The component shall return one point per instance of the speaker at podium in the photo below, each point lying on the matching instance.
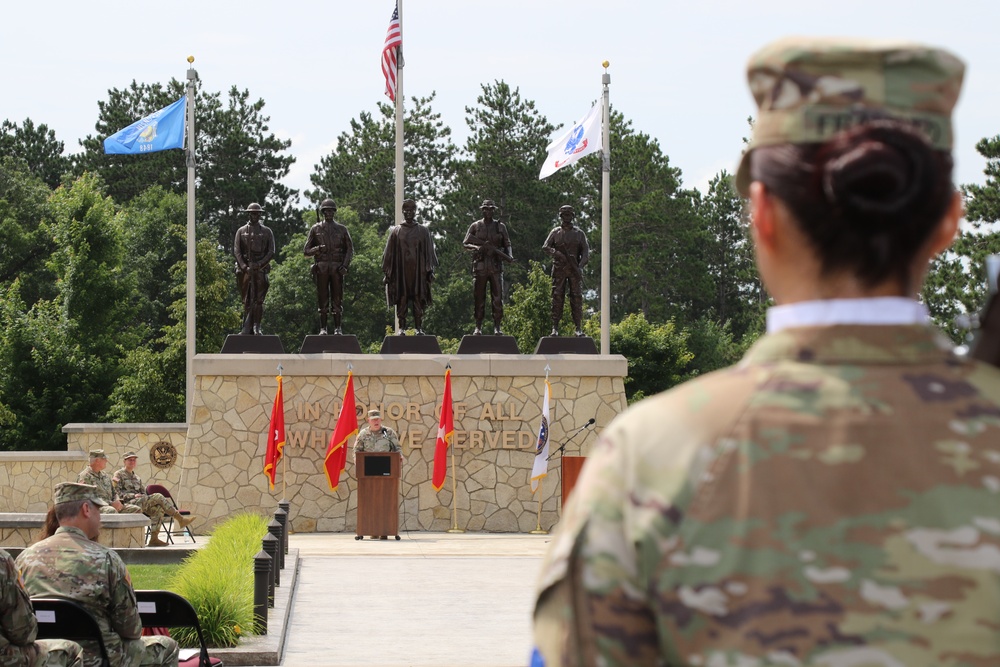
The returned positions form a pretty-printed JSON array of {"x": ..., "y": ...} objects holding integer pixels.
[{"x": 378, "y": 494}]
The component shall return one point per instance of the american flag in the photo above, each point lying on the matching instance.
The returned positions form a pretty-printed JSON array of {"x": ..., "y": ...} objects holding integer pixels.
[{"x": 393, "y": 41}]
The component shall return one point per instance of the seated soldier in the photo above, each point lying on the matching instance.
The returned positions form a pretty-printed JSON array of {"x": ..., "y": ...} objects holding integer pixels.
[
  {"x": 94, "y": 475},
  {"x": 71, "y": 564},
  {"x": 130, "y": 489},
  {"x": 18, "y": 627}
]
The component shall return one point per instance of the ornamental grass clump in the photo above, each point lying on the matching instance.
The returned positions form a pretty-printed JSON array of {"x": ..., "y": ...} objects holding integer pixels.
[{"x": 218, "y": 582}]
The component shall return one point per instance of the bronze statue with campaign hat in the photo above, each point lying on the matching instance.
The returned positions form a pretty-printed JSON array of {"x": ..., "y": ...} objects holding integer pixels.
[
  {"x": 253, "y": 248},
  {"x": 489, "y": 243}
]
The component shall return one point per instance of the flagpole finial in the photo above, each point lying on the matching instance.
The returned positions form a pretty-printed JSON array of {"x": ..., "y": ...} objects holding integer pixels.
[
  {"x": 605, "y": 64},
  {"x": 350, "y": 367},
  {"x": 280, "y": 368},
  {"x": 190, "y": 60}
]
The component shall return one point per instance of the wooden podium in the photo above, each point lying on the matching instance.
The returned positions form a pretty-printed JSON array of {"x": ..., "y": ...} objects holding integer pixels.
[
  {"x": 378, "y": 494},
  {"x": 571, "y": 466}
]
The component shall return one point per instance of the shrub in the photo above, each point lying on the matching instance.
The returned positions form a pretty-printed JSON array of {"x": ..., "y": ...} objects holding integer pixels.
[{"x": 218, "y": 582}]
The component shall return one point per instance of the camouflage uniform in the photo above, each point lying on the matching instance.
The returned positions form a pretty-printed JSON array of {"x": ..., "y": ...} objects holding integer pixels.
[
  {"x": 132, "y": 492},
  {"x": 834, "y": 500},
  {"x": 386, "y": 440},
  {"x": 106, "y": 489},
  {"x": 71, "y": 566},
  {"x": 18, "y": 627}
]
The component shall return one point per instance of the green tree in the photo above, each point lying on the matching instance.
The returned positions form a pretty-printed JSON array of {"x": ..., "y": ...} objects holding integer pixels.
[
  {"x": 24, "y": 244},
  {"x": 955, "y": 290},
  {"x": 658, "y": 241},
  {"x": 658, "y": 354},
  {"x": 360, "y": 171},
  {"x": 38, "y": 147},
  {"x": 239, "y": 160},
  {"x": 738, "y": 295}
]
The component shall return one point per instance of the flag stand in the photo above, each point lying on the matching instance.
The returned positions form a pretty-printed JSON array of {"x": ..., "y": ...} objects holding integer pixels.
[
  {"x": 538, "y": 516},
  {"x": 454, "y": 497}
]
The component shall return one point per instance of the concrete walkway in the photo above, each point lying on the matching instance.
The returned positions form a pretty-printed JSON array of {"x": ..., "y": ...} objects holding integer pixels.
[{"x": 429, "y": 599}]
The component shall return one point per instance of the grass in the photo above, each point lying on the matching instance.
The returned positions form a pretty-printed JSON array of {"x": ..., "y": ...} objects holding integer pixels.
[
  {"x": 218, "y": 582},
  {"x": 153, "y": 577}
]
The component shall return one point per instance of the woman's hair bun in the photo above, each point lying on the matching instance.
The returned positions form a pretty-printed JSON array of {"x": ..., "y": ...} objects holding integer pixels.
[{"x": 876, "y": 179}]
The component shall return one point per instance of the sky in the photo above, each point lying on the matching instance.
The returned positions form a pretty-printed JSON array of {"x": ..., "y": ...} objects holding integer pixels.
[{"x": 677, "y": 69}]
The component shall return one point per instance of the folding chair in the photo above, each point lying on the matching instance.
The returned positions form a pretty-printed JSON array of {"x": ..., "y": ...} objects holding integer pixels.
[
  {"x": 168, "y": 609},
  {"x": 61, "y": 618},
  {"x": 169, "y": 520}
]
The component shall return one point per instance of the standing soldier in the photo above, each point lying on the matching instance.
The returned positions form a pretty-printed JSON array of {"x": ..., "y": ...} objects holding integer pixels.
[
  {"x": 253, "y": 248},
  {"x": 329, "y": 244},
  {"x": 490, "y": 245},
  {"x": 570, "y": 252}
]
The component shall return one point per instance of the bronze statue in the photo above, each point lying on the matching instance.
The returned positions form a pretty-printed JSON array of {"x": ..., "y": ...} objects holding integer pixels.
[
  {"x": 253, "y": 248},
  {"x": 329, "y": 244},
  {"x": 408, "y": 263},
  {"x": 490, "y": 245},
  {"x": 570, "y": 252}
]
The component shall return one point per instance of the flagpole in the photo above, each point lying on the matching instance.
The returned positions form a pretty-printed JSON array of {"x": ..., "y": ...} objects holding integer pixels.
[
  {"x": 192, "y": 77},
  {"x": 399, "y": 127},
  {"x": 606, "y": 217},
  {"x": 454, "y": 496}
]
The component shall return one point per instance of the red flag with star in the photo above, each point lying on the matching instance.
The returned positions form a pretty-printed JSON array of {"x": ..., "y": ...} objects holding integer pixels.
[
  {"x": 275, "y": 436},
  {"x": 446, "y": 430}
]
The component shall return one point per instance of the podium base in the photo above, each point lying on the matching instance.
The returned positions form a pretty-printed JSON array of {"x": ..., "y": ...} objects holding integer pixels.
[
  {"x": 538, "y": 531},
  {"x": 455, "y": 530},
  {"x": 486, "y": 344},
  {"x": 250, "y": 344},
  {"x": 337, "y": 344},
  {"x": 566, "y": 345},
  {"x": 410, "y": 345}
]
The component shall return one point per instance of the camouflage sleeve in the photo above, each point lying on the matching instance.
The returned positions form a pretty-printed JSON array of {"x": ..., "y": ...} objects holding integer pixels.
[
  {"x": 124, "y": 615},
  {"x": 17, "y": 619},
  {"x": 359, "y": 442},
  {"x": 592, "y": 606},
  {"x": 393, "y": 439}
]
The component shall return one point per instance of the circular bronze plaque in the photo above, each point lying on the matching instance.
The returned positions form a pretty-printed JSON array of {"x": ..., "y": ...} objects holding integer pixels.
[{"x": 162, "y": 454}]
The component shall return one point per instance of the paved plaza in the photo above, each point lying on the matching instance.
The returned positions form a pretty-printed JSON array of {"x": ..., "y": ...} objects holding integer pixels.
[{"x": 430, "y": 599}]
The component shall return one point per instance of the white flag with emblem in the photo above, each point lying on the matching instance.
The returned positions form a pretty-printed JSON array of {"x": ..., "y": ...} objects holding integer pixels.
[
  {"x": 582, "y": 139},
  {"x": 541, "y": 467}
]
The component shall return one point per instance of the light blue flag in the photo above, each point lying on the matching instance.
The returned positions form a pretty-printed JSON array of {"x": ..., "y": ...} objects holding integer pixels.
[{"x": 158, "y": 131}]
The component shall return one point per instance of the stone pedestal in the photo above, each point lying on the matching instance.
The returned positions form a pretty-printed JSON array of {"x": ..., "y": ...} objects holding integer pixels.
[
  {"x": 335, "y": 344},
  {"x": 484, "y": 344},
  {"x": 410, "y": 345},
  {"x": 566, "y": 345},
  {"x": 247, "y": 344}
]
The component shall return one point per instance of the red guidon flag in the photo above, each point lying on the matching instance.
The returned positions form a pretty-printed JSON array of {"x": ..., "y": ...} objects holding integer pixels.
[
  {"x": 446, "y": 430},
  {"x": 275, "y": 436},
  {"x": 347, "y": 425}
]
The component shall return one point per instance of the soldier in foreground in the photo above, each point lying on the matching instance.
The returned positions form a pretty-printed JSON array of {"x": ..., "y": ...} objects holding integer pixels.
[
  {"x": 833, "y": 499},
  {"x": 71, "y": 564},
  {"x": 18, "y": 627}
]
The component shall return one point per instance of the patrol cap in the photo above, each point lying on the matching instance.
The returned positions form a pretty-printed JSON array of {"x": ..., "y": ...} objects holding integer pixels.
[
  {"x": 566, "y": 207},
  {"x": 808, "y": 89},
  {"x": 131, "y": 455},
  {"x": 374, "y": 413},
  {"x": 98, "y": 454},
  {"x": 67, "y": 492}
]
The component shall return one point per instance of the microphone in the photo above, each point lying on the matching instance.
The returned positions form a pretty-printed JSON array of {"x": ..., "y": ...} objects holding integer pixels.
[{"x": 589, "y": 423}]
